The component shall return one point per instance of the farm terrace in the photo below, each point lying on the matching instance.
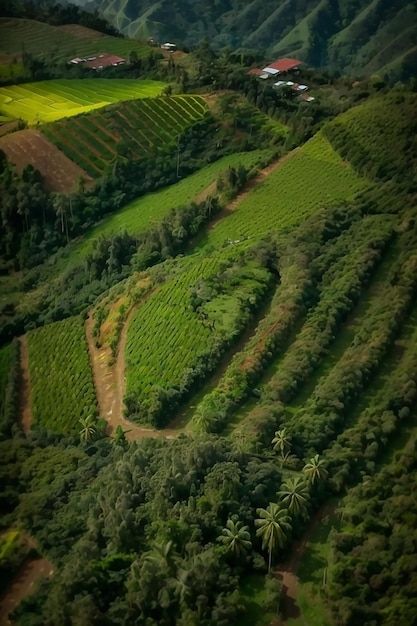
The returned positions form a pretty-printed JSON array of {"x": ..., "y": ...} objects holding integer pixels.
[{"x": 99, "y": 62}]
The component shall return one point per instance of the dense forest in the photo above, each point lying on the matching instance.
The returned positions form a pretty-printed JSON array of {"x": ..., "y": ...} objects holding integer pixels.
[{"x": 208, "y": 349}]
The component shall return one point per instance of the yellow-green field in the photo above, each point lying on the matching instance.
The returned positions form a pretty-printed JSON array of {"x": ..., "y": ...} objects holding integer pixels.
[{"x": 51, "y": 100}]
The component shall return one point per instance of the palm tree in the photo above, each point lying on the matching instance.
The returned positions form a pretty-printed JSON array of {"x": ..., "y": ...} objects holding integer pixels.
[
  {"x": 315, "y": 470},
  {"x": 180, "y": 585},
  {"x": 162, "y": 554},
  {"x": 294, "y": 494},
  {"x": 281, "y": 441},
  {"x": 236, "y": 538},
  {"x": 88, "y": 428},
  {"x": 273, "y": 526}
]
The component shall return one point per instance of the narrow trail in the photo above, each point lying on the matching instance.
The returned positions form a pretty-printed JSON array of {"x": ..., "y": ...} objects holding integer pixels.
[
  {"x": 247, "y": 188},
  {"x": 287, "y": 571},
  {"x": 23, "y": 584},
  {"x": 110, "y": 383},
  {"x": 25, "y": 411}
]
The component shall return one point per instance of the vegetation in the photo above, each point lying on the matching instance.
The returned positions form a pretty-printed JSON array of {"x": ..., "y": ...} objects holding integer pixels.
[
  {"x": 60, "y": 375},
  {"x": 53, "y": 99},
  {"x": 131, "y": 130},
  {"x": 268, "y": 317}
]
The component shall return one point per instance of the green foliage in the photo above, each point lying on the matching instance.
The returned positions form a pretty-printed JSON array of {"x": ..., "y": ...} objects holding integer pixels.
[
  {"x": 9, "y": 386},
  {"x": 193, "y": 336},
  {"x": 378, "y": 137},
  {"x": 310, "y": 178},
  {"x": 62, "y": 388},
  {"x": 50, "y": 100},
  {"x": 129, "y": 130}
]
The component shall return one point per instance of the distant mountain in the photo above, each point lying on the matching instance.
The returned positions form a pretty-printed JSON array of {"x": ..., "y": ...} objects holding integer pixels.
[{"x": 351, "y": 36}]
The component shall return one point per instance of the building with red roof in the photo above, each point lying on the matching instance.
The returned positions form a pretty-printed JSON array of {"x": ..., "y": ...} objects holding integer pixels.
[
  {"x": 104, "y": 60},
  {"x": 255, "y": 72},
  {"x": 285, "y": 65}
]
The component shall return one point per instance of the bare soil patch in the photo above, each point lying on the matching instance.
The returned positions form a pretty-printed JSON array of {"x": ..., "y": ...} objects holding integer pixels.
[
  {"x": 287, "y": 571},
  {"x": 23, "y": 584},
  {"x": 110, "y": 383},
  {"x": 7, "y": 127},
  {"x": 25, "y": 411},
  {"x": 30, "y": 146},
  {"x": 81, "y": 31}
]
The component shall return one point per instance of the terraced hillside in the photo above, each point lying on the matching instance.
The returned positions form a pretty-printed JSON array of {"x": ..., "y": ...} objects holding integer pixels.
[
  {"x": 61, "y": 43},
  {"x": 131, "y": 129},
  {"x": 51, "y": 100}
]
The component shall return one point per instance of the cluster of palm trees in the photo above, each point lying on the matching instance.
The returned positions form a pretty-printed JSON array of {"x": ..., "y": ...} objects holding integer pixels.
[{"x": 275, "y": 522}]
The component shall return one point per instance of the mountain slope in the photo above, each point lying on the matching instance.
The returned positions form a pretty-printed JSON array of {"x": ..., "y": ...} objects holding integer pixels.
[{"x": 356, "y": 36}]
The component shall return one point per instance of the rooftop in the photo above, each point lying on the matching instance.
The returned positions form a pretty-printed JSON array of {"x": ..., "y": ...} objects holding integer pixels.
[{"x": 284, "y": 65}]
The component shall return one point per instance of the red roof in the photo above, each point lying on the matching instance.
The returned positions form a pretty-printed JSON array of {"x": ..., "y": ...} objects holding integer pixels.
[
  {"x": 104, "y": 61},
  {"x": 255, "y": 72},
  {"x": 284, "y": 65}
]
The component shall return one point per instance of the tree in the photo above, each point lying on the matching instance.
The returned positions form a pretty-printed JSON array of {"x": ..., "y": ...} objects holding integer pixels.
[
  {"x": 294, "y": 494},
  {"x": 88, "y": 428},
  {"x": 315, "y": 470},
  {"x": 236, "y": 538},
  {"x": 273, "y": 525},
  {"x": 282, "y": 443}
]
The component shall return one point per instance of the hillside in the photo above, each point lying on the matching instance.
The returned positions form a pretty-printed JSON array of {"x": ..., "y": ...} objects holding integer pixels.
[
  {"x": 208, "y": 345},
  {"x": 358, "y": 38}
]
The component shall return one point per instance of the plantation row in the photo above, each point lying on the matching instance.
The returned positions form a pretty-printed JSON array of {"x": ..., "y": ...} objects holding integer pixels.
[
  {"x": 132, "y": 129},
  {"x": 51, "y": 100},
  {"x": 179, "y": 333},
  {"x": 365, "y": 242},
  {"x": 9, "y": 386},
  {"x": 311, "y": 178},
  {"x": 62, "y": 387},
  {"x": 43, "y": 40}
]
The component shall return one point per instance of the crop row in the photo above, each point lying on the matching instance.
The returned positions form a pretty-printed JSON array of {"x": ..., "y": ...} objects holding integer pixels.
[
  {"x": 337, "y": 298},
  {"x": 131, "y": 129},
  {"x": 313, "y": 177},
  {"x": 43, "y": 40},
  {"x": 62, "y": 387},
  {"x": 178, "y": 335},
  {"x": 55, "y": 99}
]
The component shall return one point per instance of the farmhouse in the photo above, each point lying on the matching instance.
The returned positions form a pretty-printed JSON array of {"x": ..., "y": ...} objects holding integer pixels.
[
  {"x": 278, "y": 67},
  {"x": 99, "y": 62}
]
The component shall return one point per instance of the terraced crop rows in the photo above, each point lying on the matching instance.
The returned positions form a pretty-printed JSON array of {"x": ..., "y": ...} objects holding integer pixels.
[
  {"x": 47, "y": 101},
  {"x": 44, "y": 40},
  {"x": 132, "y": 129},
  {"x": 62, "y": 387},
  {"x": 311, "y": 178}
]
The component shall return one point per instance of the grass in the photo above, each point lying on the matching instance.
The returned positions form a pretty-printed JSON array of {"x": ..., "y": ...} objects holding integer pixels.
[
  {"x": 311, "y": 573},
  {"x": 44, "y": 40},
  {"x": 51, "y": 100},
  {"x": 311, "y": 178}
]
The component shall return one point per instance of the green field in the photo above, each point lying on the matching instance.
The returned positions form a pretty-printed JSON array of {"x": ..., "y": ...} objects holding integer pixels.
[
  {"x": 47, "y": 101},
  {"x": 62, "y": 388},
  {"x": 58, "y": 44},
  {"x": 131, "y": 129},
  {"x": 313, "y": 177},
  {"x": 169, "y": 345}
]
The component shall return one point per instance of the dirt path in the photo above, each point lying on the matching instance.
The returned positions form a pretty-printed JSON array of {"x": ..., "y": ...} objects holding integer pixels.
[
  {"x": 25, "y": 411},
  {"x": 23, "y": 584},
  {"x": 287, "y": 571},
  {"x": 110, "y": 382},
  {"x": 245, "y": 191}
]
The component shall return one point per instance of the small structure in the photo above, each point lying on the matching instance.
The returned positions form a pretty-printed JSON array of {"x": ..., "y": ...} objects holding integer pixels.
[
  {"x": 271, "y": 71},
  {"x": 255, "y": 72},
  {"x": 306, "y": 97},
  {"x": 169, "y": 46},
  {"x": 99, "y": 62}
]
